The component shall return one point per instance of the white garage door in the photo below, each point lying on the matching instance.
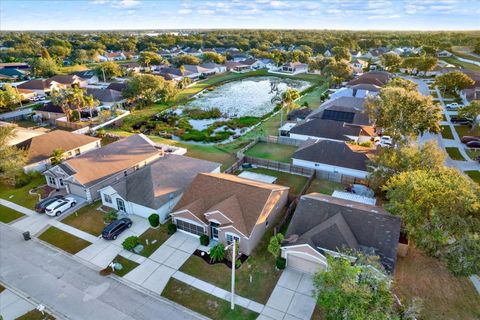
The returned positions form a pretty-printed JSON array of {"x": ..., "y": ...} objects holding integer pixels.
[{"x": 303, "y": 263}]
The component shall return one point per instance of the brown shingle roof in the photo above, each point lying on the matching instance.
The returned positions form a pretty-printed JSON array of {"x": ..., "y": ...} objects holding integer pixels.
[
  {"x": 34, "y": 85},
  {"x": 41, "y": 147},
  {"x": 99, "y": 164},
  {"x": 241, "y": 200}
]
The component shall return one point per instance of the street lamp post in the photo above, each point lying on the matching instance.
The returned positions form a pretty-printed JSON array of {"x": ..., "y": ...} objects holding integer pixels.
[{"x": 232, "y": 297}]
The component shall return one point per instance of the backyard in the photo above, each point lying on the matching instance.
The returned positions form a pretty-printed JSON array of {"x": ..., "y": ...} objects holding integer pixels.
[
  {"x": 272, "y": 151},
  {"x": 454, "y": 154},
  {"x": 8, "y": 215},
  {"x": 325, "y": 186},
  {"x": 20, "y": 195},
  {"x": 204, "y": 303},
  {"x": 260, "y": 266},
  {"x": 295, "y": 182},
  {"x": 87, "y": 219},
  {"x": 63, "y": 240},
  {"x": 444, "y": 296}
]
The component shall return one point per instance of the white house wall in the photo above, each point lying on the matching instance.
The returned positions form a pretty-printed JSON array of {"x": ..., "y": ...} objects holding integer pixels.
[{"x": 329, "y": 168}]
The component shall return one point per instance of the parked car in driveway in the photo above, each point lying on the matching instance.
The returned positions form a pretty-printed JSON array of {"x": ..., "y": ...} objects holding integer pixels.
[
  {"x": 115, "y": 228},
  {"x": 41, "y": 205},
  {"x": 473, "y": 144},
  {"x": 453, "y": 106},
  {"x": 466, "y": 139},
  {"x": 460, "y": 120},
  {"x": 383, "y": 141},
  {"x": 59, "y": 206}
]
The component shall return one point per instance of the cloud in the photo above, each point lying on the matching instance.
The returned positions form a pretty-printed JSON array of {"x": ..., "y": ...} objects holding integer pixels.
[
  {"x": 184, "y": 11},
  {"x": 206, "y": 11},
  {"x": 125, "y": 3}
]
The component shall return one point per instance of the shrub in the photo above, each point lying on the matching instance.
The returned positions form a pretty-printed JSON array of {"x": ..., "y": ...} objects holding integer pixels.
[
  {"x": 238, "y": 263},
  {"x": 184, "y": 124},
  {"x": 75, "y": 116},
  {"x": 217, "y": 253},
  {"x": 204, "y": 240},
  {"x": 172, "y": 228},
  {"x": 110, "y": 216},
  {"x": 22, "y": 179},
  {"x": 154, "y": 220},
  {"x": 281, "y": 263},
  {"x": 275, "y": 244},
  {"x": 130, "y": 243}
]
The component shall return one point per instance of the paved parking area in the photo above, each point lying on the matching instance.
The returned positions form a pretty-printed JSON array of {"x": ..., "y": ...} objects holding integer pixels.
[
  {"x": 155, "y": 271},
  {"x": 292, "y": 297},
  {"x": 13, "y": 306}
]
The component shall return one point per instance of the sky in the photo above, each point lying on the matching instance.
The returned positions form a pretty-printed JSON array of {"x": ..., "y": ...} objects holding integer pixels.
[{"x": 235, "y": 14}]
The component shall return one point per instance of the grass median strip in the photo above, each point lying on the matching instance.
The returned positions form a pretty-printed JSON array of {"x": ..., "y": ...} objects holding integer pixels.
[
  {"x": 8, "y": 215},
  {"x": 36, "y": 315},
  {"x": 474, "y": 175},
  {"x": 204, "y": 303},
  {"x": 64, "y": 240},
  {"x": 447, "y": 132},
  {"x": 454, "y": 154},
  {"x": 127, "y": 265}
]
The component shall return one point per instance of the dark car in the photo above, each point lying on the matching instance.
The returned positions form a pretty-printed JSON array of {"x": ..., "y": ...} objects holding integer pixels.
[
  {"x": 473, "y": 144},
  {"x": 466, "y": 139},
  {"x": 460, "y": 120},
  {"x": 41, "y": 205},
  {"x": 112, "y": 231}
]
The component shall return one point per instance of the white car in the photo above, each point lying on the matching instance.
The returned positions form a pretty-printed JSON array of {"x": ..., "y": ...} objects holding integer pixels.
[
  {"x": 383, "y": 141},
  {"x": 454, "y": 106},
  {"x": 60, "y": 206}
]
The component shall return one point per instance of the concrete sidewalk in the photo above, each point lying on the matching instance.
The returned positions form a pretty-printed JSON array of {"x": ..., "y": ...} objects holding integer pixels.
[{"x": 13, "y": 306}]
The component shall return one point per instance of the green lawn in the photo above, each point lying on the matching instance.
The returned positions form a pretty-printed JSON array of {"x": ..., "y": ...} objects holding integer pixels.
[
  {"x": 128, "y": 265},
  {"x": 64, "y": 240},
  {"x": 8, "y": 215},
  {"x": 160, "y": 234},
  {"x": 473, "y": 153},
  {"x": 474, "y": 175},
  {"x": 87, "y": 219},
  {"x": 454, "y": 154},
  {"x": 36, "y": 315},
  {"x": 262, "y": 270},
  {"x": 295, "y": 182},
  {"x": 272, "y": 151},
  {"x": 459, "y": 63},
  {"x": 446, "y": 132},
  {"x": 313, "y": 97},
  {"x": 466, "y": 131},
  {"x": 204, "y": 303},
  {"x": 20, "y": 195},
  {"x": 466, "y": 56},
  {"x": 325, "y": 186}
]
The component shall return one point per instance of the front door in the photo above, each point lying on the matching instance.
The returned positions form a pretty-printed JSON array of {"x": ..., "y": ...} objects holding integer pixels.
[
  {"x": 120, "y": 205},
  {"x": 214, "y": 230}
]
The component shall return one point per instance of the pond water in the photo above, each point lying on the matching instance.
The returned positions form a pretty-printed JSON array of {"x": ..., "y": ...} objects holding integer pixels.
[{"x": 247, "y": 97}]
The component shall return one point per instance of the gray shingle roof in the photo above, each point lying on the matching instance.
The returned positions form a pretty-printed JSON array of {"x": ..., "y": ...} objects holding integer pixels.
[
  {"x": 331, "y": 223},
  {"x": 328, "y": 129}
]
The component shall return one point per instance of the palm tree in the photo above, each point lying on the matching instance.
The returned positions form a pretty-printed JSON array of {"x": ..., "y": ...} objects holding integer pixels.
[
  {"x": 288, "y": 99},
  {"x": 57, "y": 156},
  {"x": 217, "y": 253},
  {"x": 61, "y": 98},
  {"x": 91, "y": 103}
]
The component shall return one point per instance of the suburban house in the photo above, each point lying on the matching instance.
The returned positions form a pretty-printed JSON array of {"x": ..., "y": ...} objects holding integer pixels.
[
  {"x": 294, "y": 68},
  {"x": 107, "y": 97},
  {"x": 299, "y": 114},
  {"x": 340, "y": 131},
  {"x": 26, "y": 94},
  {"x": 324, "y": 225},
  {"x": 132, "y": 67},
  {"x": 377, "y": 78},
  {"x": 238, "y": 56},
  {"x": 327, "y": 54},
  {"x": 39, "y": 86},
  {"x": 342, "y": 108},
  {"x": 214, "y": 67},
  {"x": 237, "y": 66},
  {"x": 68, "y": 81},
  {"x": 14, "y": 65},
  {"x": 111, "y": 56},
  {"x": 226, "y": 207},
  {"x": 117, "y": 86},
  {"x": 157, "y": 187},
  {"x": 86, "y": 174},
  {"x": 361, "y": 90},
  {"x": 355, "y": 54},
  {"x": 40, "y": 148},
  {"x": 88, "y": 75},
  {"x": 15, "y": 74},
  {"x": 473, "y": 91},
  {"x": 444, "y": 54},
  {"x": 49, "y": 112},
  {"x": 358, "y": 66},
  {"x": 335, "y": 157}
]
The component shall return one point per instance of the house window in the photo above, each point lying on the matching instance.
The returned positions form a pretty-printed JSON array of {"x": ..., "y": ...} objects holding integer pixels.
[
  {"x": 77, "y": 151},
  {"x": 61, "y": 182},
  {"x": 107, "y": 198},
  {"x": 317, "y": 165},
  {"x": 266, "y": 223},
  {"x": 125, "y": 173},
  {"x": 231, "y": 237},
  {"x": 51, "y": 181},
  {"x": 69, "y": 153}
]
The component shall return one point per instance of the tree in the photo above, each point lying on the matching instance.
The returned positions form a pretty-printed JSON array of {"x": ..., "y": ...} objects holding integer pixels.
[
  {"x": 440, "y": 212},
  {"x": 341, "y": 53},
  {"x": 471, "y": 111},
  {"x": 147, "y": 89},
  {"x": 109, "y": 70},
  {"x": 403, "y": 83},
  {"x": 12, "y": 159},
  {"x": 356, "y": 292},
  {"x": 61, "y": 98},
  {"x": 42, "y": 67},
  {"x": 403, "y": 113},
  {"x": 9, "y": 98},
  {"x": 453, "y": 81},
  {"x": 213, "y": 57},
  {"x": 57, "y": 156},
  {"x": 288, "y": 99},
  {"x": 338, "y": 70},
  {"x": 185, "y": 82},
  {"x": 91, "y": 103},
  {"x": 476, "y": 49},
  {"x": 148, "y": 58},
  {"x": 217, "y": 253},
  {"x": 275, "y": 244},
  {"x": 392, "y": 161},
  {"x": 391, "y": 60},
  {"x": 186, "y": 59}
]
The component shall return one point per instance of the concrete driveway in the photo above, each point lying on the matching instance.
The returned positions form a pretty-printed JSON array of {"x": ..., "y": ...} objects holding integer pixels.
[{"x": 292, "y": 297}]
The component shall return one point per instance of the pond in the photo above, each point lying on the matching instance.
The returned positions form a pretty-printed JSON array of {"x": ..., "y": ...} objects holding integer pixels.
[{"x": 247, "y": 97}]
